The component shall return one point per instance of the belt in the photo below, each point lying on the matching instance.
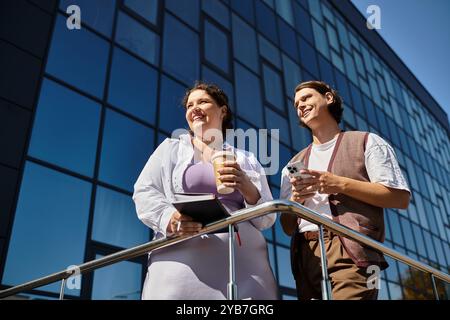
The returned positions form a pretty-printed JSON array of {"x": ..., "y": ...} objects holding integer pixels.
[{"x": 314, "y": 235}]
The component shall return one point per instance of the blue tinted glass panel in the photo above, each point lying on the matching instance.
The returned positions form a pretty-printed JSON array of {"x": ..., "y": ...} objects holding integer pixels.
[
  {"x": 320, "y": 38},
  {"x": 284, "y": 9},
  {"x": 273, "y": 87},
  {"x": 147, "y": 9},
  {"x": 370, "y": 111},
  {"x": 269, "y": 51},
  {"x": 266, "y": 21},
  {"x": 248, "y": 95},
  {"x": 285, "y": 276},
  {"x": 326, "y": 71},
  {"x": 137, "y": 38},
  {"x": 332, "y": 37},
  {"x": 275, "y": 121},
  {"x": 284, "y": 157},
  {"x": 343, "y": 35},
  {"x": 180, "y": 45},
  {"x": 315, "y": 9},
  {"x": 136, "y": 95},
  {"x": 87, "y": 68},
  {"x": 292, "y": 75},
  {"x": 244, "y": 8},
  {"x": 91, "y": 11},
  {"x": 115, "y": 220},
  {"x": 125, "y": 149},
  {"x": 288, "y": 39},
  {"x": 211, "y": 76},
  {"x": 216, "y": 47},
  {"x": 350, "y": 66},
  {"x": 303, "y": 22},
  {"x": 308, "y": 58},
  {"x": 342, "y": 87},
  {"x": 120, "y": 281},
  {"x": 301, "y": 136},
  {"x": 50, "y": 225},
  {"x": 171, "y": 112},
  {"x": 188, "y": 11},
  {"x": 244, "y": 43},
  {"x": 65, "y": 129},
  {"x": 357, "y": 99},
  {"x": 217, "y": 10}
]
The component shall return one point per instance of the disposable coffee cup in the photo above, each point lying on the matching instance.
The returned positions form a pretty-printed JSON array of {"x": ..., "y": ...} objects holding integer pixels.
[{"x": 218, "y": 160}]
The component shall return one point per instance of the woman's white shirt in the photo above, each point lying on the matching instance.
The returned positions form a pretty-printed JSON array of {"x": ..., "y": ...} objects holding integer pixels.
[{"x": 162, "y": 177}]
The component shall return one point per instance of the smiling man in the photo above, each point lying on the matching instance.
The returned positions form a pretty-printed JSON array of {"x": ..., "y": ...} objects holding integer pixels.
[{"x": 351, "y": 177}]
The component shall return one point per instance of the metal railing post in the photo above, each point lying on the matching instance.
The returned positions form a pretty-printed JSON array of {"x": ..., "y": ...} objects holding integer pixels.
[
  {"x": 435, "y": 291},
  {"x": 61, "y": 292},
  {"x": 326, "y": 285},
  {"x": 232, "y": 287}
]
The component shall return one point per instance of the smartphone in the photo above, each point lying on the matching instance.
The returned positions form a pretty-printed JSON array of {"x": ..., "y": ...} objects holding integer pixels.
[{"x": 294, "y": 170}]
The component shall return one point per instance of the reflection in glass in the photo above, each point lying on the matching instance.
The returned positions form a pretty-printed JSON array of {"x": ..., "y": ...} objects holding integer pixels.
[
  {"x": 96, "y": 14},
  {"x": 120, "y": 281},
  {"x": 273, "y": 87},
  {"x": 188, "y": 11},
  {"x": 180, "y": 45},
  {"x": 115, "y": 220},
  {"x": 78, "y": 58},
  {"x": 125, "y": 150},
  {"x": 244, "y": 43},
  {"x": 147, "y": 9},
  {"x": 137, "y": 38},
  {"x": 171, "y": 112},
  {"x": 248, "y": 95},
  {"x": 133, "y": 86},
  {"x": 50, "y": 226},
  {"x": 65, "y": 129},
  {"x": 216, "y": 47}
]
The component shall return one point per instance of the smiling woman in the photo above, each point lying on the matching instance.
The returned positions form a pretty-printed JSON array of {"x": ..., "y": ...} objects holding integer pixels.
[{"x": 197, "y": 268}]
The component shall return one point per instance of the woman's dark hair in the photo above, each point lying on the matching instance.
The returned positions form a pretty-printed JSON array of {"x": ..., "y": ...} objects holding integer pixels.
[
  {"x": 219, "y": 97},
  {"x": 335, "y": 108}
]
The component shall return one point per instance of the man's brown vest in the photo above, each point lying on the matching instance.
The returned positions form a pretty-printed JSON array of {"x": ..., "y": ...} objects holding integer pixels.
[{"x": 348, "y": 160}]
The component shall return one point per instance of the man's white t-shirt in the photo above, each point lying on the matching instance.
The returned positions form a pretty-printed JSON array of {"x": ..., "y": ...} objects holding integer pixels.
[{"x": 381, "y": 165}]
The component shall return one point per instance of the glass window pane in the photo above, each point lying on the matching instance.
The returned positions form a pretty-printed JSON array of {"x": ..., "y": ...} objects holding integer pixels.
[
  {"x": 248, "y": 95},
  {"x": 350, "y": 66},
  {"x": 217, "y": 10},
  {"x": 125, "y": 149},
  {"x": 320, "y": 39},
  {"x": 50, "y": 225},
  {"x": 326, "y": 71},
  {"x": 91, "y": 11},
  {"x": 303, "y": 23},
  {"x": 284, "y": 9},
  {"x": 133, "y": 86},
  {"x": 288, "y": 39},
  {"x": 244, "y": 43},
  {"x": 180, "y": 45},
  {"x": 65, "y": 129},
  {"x": 292, "y": 75},
  {"x": 269, "y": 51},
  {"x": 273, "y": 87},
  {"x": 188, "y": 11},
  {"x": 301, "y": 136},
  {"x": 147, "y": 9},
  {"x": 315, "y": 10},
  {"x": 308, "y": 58},
  {"x": 343, "y": 35},
  {"x": 171, "y": 112},
  {"x": 87, "y": 68},
  {"x": 275, "y": 121},
  {"x": 216, "y": 47},
  {"x": 137, "y": 38},
  {"x": 266, "y": 21},
  {"x": 332, "y": 37},
  {"x": 337, "y": 61},
  {"x": 120, "y": 281},
  {"x": 285, "y": 277},
  {"x": 244, "y": 8},
  {"x": 115, "y": 220},
  {"x": 210, "y": 76}
]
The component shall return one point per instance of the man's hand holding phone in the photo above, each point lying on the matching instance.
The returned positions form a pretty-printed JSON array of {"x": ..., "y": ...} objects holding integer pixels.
[{"x": 304, "y": 185}]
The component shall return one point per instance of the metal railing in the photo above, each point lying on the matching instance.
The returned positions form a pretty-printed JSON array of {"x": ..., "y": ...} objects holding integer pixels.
[{"x": 279, "y": 206}]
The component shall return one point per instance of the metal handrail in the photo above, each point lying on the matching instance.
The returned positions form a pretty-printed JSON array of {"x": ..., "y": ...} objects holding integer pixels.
[{"x": 280, "y": 206}]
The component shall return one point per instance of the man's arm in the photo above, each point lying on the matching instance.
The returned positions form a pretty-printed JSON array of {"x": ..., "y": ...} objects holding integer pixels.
[{"x": 372, "y": 193}]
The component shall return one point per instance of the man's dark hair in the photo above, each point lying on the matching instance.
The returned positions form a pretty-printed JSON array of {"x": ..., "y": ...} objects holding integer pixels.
[
  {"x": 219, "y": 97},
  {"x": 335, "y": 108}
]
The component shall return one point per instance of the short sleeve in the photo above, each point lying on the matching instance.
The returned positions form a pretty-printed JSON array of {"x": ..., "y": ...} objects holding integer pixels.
[{"x": 382, "y": 165}]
